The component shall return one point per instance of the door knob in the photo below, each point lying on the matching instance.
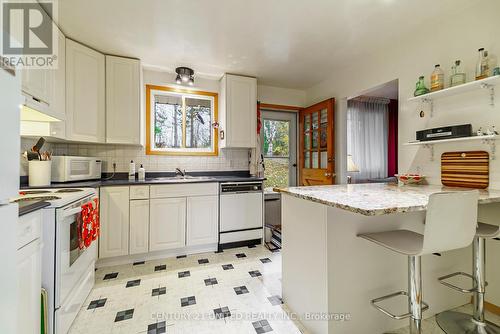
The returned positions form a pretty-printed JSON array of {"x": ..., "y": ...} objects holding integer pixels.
[{"x": 328, "y": 175}]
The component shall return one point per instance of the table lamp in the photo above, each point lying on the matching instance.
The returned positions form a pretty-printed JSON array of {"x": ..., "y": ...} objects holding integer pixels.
[{"x": 351, "y": 168}]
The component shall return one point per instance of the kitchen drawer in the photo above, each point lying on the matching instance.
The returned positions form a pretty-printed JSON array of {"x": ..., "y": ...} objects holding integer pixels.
[
  {"x": 139, "y": 192},
  {"x": 184, "y": 190},
  {"x": 29, "y": 228}
]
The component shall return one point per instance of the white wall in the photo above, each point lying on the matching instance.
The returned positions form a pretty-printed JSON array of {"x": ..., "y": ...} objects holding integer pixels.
[
  {"x": 454, "y": 37},
  {"x": 283, "y": 96}
]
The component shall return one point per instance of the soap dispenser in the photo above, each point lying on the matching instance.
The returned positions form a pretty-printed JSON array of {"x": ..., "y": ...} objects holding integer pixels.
[
  {"x": 142, "y": 173},
  {"x": 131, "y": 171}
]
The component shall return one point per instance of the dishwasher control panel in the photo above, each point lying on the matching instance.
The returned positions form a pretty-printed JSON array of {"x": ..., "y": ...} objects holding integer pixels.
[{"x": 239, "y": 187}]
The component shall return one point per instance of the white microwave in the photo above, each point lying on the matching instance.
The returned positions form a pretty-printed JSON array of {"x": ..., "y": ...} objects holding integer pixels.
[{"x": 70, "y": 168}]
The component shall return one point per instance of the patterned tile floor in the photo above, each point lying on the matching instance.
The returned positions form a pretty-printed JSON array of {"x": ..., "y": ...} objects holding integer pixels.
[
  {"x": 429, "y": 326},
  {"x": 236, "y": 291}
]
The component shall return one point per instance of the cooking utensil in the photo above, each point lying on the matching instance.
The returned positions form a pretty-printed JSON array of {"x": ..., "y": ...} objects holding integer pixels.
[
  {"x": 31, "y": 156},
  {"x": 465, "y": 169},
  {"x": 38, "y": 146}
]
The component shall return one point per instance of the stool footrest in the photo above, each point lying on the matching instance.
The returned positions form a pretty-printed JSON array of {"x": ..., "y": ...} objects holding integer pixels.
[
  {"x": 374, "y": 302},
  {"x": 443, "y": 281}
]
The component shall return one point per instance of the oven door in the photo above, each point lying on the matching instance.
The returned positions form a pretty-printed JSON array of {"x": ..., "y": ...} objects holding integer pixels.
[{"x": 73, "y": 257}]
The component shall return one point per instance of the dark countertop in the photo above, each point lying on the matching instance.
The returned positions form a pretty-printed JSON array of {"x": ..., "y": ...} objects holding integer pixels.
[
  {"x": 26, "y": 207},
  {"x": 157, "y": 178}
]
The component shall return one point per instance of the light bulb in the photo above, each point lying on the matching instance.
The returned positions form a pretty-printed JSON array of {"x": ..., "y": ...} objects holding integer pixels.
[{"x": 178, "y": 79}]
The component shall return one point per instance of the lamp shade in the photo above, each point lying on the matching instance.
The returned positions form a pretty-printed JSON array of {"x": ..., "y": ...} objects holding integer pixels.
[{"x": 351, "y": 166}]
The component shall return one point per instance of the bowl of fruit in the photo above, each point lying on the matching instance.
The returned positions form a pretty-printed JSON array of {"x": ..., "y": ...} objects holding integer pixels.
[{"x": 407, "y": 179}]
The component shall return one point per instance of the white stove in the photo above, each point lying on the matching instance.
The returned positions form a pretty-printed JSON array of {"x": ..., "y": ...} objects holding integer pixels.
[
  {"x": 69, "y": 236},
  {"x": 57, "y": 197}
]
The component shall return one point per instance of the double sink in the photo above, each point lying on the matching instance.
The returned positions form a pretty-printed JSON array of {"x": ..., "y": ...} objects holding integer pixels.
[{"x": 183, "y": 179}]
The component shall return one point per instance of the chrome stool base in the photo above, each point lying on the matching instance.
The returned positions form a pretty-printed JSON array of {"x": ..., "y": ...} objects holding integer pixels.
[{"x": 461, "y": 323}]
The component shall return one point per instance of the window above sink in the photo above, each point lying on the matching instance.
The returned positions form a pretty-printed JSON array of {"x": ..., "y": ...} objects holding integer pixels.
[{"x": 180, "y": 122}]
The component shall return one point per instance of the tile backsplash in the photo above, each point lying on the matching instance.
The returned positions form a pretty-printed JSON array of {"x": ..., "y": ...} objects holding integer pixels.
[{"x": 228, "y": 159}]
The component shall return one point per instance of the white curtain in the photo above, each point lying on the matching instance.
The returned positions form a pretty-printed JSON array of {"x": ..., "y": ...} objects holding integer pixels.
[{"x": 367, "y": 136}]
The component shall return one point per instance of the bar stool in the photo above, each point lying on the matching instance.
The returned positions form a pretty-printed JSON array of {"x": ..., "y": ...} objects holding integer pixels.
[
  {"x": 457, "y": 322},
  {"x": 450, "y": 223}
]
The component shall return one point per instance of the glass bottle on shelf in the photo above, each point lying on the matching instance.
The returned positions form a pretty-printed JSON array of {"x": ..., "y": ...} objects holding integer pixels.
[
  {"x": 458, "y": 76},
  {"x": 420, "y": 88},
  {"x": 437, "y": 78},
  {"x": 482, "y": 66}
]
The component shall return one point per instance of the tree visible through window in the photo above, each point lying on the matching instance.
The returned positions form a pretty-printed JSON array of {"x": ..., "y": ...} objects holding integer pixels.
[
  {"x": 181, "y": 123},
  {"x": 276, "y": 151}
]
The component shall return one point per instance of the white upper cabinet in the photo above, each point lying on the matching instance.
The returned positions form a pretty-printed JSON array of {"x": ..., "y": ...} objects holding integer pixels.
[
  {"x": 85, "y": 93},
  {"x": 238, "y": 115},
  {"x": 57, "y": 107},
  {"x": 123, "y": 116},
  {"x": 37, "y": 85}
]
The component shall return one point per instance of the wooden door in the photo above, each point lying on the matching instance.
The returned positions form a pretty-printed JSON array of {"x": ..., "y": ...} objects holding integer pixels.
[{"x": 317, "y": 152}]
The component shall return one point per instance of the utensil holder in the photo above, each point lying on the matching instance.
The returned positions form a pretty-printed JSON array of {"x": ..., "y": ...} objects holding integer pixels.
[{"x": 39, "y": 173}]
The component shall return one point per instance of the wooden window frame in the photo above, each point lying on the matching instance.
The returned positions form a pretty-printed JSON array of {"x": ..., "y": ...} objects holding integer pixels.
[{"x": 150, "y": 151}]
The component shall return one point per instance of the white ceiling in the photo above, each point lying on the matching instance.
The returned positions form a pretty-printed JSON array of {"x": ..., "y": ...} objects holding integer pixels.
[{"x": 284, "y": 43}]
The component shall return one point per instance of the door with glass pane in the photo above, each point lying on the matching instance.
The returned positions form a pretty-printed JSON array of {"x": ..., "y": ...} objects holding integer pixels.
[
  {"x": 317, "y": 154},
  {"x": 279, "y": 148}
]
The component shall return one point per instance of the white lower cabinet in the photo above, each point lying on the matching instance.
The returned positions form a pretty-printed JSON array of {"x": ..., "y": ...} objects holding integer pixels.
[
  {"x": 202, "y": 220},
  {"x": 114, "y": 216},
  {"x": 139, "y": 226},
  {"x": 29, "y": 273},
  {"x": 167, "y": 223},
  {"x": 29, "y": 287},
  {"x": 172, "y": 218}
]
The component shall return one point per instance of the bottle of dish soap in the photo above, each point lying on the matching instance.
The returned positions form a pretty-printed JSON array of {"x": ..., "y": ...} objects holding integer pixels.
[
  {"x": 437, "y": 79},
  {"x": 142, "y": 173},
  {"x": 131, "y": 171}
]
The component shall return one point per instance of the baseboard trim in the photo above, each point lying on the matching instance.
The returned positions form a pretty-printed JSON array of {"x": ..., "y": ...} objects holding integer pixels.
[
  {"x": 492, "y": 308},
  {"x": 156, "y": 255}
]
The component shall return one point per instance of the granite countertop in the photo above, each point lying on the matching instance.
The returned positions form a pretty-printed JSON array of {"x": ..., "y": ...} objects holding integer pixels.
[
  {"x": 378, "y": 199},
  {"x": 26, "y": 207}
]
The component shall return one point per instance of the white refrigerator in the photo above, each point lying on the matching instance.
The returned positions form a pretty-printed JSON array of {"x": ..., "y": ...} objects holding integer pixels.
[{"x": 10, "y": 101}]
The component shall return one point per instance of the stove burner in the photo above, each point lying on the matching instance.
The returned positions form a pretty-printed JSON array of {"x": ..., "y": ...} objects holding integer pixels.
[
  {"x": 33, "y": 192},
  {"x": 38, "y": 198},
  {"x": 68, "y": 190}
]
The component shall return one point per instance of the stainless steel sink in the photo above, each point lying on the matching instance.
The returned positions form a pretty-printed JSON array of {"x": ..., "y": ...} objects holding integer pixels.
[{"x": 180, "y": 179}]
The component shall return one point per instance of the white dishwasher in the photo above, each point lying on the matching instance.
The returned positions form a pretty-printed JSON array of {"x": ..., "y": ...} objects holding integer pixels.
[{"x": 241, "y": 214}]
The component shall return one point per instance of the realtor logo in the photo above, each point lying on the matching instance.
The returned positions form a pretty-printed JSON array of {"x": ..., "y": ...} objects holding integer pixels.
[{"x": 29, "y": 36}]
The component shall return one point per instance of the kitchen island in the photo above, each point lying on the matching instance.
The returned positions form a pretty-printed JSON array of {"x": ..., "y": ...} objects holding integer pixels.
[{"x": 330, "y": 275}]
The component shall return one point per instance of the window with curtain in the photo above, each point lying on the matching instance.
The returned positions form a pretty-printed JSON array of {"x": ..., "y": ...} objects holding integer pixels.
[
  {"x": 181, "y": 122},
  {"x": 367, "y": 137}
]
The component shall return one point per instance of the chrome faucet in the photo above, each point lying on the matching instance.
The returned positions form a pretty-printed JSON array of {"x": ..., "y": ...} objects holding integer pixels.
[{"x": 180, "y": 172}]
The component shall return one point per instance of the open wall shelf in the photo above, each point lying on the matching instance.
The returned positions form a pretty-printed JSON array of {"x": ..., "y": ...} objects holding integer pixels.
[
  {"x": 466, "y": 87},
  {"x": 487, "y": 83},
  {"x": 486, "y": 140}
]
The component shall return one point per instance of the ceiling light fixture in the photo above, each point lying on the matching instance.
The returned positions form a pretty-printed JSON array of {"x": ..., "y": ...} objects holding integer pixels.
[{"x": 184, "y": 75}]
